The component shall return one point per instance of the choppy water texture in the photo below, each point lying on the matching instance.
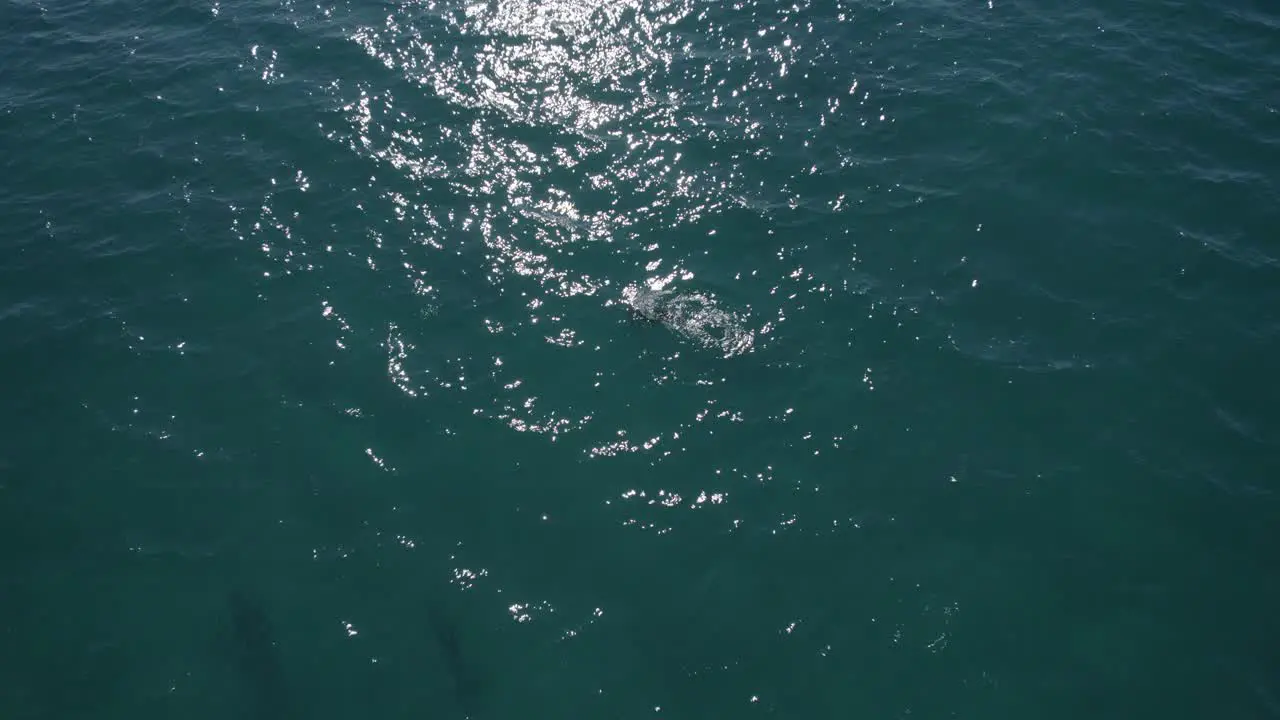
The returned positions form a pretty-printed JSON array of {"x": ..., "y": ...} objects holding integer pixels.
[{"x": 639, "y": 359}]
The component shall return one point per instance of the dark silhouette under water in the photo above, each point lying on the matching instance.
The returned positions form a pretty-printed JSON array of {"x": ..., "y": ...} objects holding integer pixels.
[
  {"x": 463, "y": 679},
  {"x": 264, "y": 682},
  {"x": 258, "y": 660}
]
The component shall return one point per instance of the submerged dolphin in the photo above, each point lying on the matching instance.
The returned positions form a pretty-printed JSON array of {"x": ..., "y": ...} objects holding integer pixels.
[
  {"x": 646, "y": 303},
  {"x": 692, "y": 315},
  {"x": 258, "y": 659},
  {"x": 464, "y": 678}
]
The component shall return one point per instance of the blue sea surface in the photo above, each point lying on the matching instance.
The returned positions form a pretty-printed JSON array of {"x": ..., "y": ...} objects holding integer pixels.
[{"x": 639, "y": 359}]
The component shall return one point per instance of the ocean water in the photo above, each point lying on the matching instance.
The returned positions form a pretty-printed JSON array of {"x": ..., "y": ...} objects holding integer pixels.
[{"x": 639, "y": 359}]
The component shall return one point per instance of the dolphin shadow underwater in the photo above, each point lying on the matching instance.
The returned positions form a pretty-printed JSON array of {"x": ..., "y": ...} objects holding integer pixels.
[
  {"x": 257, "y": 659},
  {"x": 268, "y": 694},
  {"x": 463, "y": 677}
]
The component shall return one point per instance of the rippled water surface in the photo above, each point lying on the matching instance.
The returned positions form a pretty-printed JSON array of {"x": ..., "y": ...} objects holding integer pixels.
[{"x": 639, "y": 359}]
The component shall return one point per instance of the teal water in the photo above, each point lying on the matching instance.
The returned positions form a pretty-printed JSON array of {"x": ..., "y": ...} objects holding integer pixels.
[{"x": 635, "y": 359}]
